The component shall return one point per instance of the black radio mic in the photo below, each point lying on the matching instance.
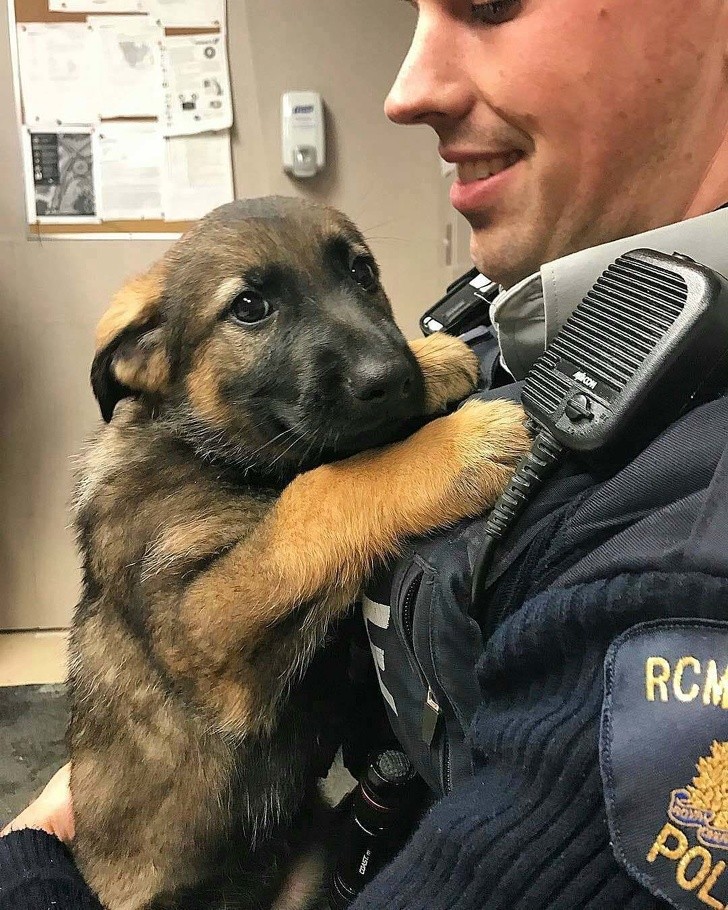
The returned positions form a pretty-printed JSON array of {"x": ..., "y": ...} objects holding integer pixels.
[{"x": 649, "y": 339}]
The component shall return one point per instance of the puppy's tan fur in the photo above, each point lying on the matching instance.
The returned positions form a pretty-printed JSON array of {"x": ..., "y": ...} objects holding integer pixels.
[{"x": 198, "y": 681}]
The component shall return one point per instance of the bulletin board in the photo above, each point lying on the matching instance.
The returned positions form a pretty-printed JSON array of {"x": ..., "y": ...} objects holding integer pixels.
[{"x": 37, "y": 11}]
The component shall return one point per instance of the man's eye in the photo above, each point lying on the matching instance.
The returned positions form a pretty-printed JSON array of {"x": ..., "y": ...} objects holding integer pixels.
[{"x": 496, "y": 12}]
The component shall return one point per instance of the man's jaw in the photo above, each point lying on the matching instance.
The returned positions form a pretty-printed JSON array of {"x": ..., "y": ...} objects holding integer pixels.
[{"x": 493, "y": 191}]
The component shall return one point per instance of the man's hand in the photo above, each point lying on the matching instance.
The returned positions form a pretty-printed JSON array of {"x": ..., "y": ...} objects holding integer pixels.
[{"x": 52, "y": 811}]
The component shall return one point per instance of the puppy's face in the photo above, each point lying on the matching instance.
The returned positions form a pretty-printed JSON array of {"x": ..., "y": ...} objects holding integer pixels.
[{"x": 265, "y": 338}]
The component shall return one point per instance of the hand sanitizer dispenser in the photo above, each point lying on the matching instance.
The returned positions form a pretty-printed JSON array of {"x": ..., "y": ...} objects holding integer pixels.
[{"x": 304, "y": 140}]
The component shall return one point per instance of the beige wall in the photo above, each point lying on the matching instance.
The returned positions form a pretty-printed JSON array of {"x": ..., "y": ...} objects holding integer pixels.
[{"x": 51, "y": 293}]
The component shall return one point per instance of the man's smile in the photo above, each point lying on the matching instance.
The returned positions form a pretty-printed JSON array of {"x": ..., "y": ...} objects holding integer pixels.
[
  {"x": 480, "y": 179},
  {"x": 489, "y": 166}
]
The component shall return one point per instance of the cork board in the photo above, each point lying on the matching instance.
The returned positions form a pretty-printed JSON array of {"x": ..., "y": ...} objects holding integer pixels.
[{"x": 37, "y": 11}]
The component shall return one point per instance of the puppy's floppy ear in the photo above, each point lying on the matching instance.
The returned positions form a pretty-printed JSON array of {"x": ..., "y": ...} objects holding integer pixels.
[{"x": 131, "y": 356}]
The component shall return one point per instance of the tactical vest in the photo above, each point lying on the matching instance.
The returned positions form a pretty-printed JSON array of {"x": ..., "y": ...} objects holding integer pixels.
[{"x": 426, "y": 638}]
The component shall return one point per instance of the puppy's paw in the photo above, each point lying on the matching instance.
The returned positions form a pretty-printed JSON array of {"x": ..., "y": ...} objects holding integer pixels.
[
  {"x": 450, "y": 369},
  {"x": 489, "y": 439}
]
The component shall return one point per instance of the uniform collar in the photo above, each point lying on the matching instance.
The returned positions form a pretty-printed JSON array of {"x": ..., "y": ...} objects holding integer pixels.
[{"x": 528, "y": 316}]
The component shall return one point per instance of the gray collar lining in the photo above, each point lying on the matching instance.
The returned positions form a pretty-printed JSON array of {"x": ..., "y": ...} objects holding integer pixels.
[{"x": 528, "y": 316}]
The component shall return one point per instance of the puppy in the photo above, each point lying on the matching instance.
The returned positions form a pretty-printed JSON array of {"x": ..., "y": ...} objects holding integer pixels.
[{"x": 226, "y": 524}]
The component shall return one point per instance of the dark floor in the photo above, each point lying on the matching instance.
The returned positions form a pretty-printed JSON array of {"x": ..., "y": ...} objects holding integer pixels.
[{"x": 32, "y": 727}]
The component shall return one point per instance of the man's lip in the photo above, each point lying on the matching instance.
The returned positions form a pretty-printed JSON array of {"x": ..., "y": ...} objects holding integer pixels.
[
  {"x": 453, "y": 156},
  {"x": 479, "y": 195}
]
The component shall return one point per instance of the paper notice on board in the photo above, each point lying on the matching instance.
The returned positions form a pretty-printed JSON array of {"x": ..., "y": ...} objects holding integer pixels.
[
  {"x": 57, "y": 72},
  {"x": 196, "y": 84},
  {"x": 198, "y": 175},
  {"x": 130, "y": 159},
  {"x": 95, "y": 6},
  {"x": 60, "y": 175},
  {"x": 187, "y": 13},
  {"x": 129, "y": 65}
]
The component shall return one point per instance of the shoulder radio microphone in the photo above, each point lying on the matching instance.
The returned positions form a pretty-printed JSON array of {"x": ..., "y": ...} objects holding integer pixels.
[{"x": 649, "y": 340}]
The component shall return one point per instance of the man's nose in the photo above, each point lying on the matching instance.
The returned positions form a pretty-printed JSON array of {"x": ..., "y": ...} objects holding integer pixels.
[{"x": 432, "y": 86}]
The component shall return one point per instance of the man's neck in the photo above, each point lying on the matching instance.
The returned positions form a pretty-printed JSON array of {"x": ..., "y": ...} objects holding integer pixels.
[{"x": 713, "y": 190}]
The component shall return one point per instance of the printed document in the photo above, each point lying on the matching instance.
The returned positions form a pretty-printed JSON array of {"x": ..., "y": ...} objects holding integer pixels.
[
  {"x": 128, "y": 55},
  {"x": 95, "y": 6},
  {"x": 130, "y": 159},
  {"x": 57, "y": 72},
  {"x": 187, "y": 13},
  {"x": 60, "y": 175},
  {"x": 198, "y": 176},
  {"x": 196, "y": 85}
]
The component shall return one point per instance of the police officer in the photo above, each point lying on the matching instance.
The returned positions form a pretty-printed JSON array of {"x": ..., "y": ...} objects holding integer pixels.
[{"x": 585, "y": 763}]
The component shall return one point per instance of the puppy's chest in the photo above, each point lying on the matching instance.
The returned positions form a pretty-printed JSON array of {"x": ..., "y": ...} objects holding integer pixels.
[{"x": 149, "y": 506}]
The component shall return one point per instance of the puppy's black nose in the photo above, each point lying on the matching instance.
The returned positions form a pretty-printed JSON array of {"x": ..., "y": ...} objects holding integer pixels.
[{"x": 375, "y": 381}]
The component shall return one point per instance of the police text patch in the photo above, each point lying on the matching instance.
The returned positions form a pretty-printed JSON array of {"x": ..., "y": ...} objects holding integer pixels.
[{"x": 664, "y": 759}]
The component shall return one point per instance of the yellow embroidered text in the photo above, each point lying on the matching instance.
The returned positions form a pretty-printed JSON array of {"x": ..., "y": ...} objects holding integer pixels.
[
  {"x": 694, "y": 867},
  {"x": 687, "y": 680}
]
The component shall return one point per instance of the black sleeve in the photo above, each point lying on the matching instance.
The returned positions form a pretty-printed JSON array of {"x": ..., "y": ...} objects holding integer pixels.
[
  {"x": 37, "y": 872},
  {"x": 529, "y": 831}
]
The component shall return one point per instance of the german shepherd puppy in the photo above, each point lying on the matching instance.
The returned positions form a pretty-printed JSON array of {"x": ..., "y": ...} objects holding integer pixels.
[{"x": 226, "y": 524}]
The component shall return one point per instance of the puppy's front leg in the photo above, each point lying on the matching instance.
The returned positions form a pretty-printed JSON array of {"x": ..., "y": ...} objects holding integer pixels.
[{"x": 248, "y": 614}]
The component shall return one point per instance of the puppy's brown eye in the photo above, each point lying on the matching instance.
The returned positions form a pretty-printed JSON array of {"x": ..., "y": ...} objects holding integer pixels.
[
  {"x": 250, "y": 307},
  {"x": 363, "y": 272}
]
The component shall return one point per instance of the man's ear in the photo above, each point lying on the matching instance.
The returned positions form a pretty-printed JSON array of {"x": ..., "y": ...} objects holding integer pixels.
[{"x": 131, "y": 352}]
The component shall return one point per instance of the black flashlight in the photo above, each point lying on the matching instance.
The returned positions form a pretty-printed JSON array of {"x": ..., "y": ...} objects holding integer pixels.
[{"x": 383, "y": 808}]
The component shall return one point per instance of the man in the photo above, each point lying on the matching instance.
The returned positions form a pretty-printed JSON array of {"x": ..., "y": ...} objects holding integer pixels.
[
  {"x": 615, "y": 115},
  {"x": 574, "y": 123}
]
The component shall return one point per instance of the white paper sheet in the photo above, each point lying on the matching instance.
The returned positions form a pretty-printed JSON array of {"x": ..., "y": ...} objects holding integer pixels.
[
  {"x": 198, "y": 175},
  {"x": 128, "y": 55},
  {"x": 187, "y": 13},
  {"x": 130, "y": 159},
  {"x": 61, "y": 182},
  {"x": 196, "y": 85},
  {"x": 57, "y": 73},
  {"x": 95, "y": 6}
]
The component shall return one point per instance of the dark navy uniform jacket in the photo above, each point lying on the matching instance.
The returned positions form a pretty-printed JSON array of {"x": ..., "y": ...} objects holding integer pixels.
[{"x": 574, "y": 725}]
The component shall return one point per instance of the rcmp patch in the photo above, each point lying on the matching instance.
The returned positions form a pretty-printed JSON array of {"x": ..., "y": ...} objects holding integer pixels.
[{"x": 664, "y": 759}]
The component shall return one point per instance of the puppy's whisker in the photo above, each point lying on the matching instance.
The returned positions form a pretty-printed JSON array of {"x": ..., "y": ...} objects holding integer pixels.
[
  {"x": 284, "y": 452},
  {"x": 270, "y": 442},
  {"x": 383, "y": 237},
  {"x": 309, "y": 449},
  {"x": 375, "y": 227}
]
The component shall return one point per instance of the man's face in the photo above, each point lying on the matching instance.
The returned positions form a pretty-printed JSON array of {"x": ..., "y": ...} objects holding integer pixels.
[{"x": 597, "y": 119}]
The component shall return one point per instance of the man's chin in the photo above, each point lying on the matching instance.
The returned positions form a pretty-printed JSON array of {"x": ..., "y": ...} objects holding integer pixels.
[{"x": 502, "y": 255}]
